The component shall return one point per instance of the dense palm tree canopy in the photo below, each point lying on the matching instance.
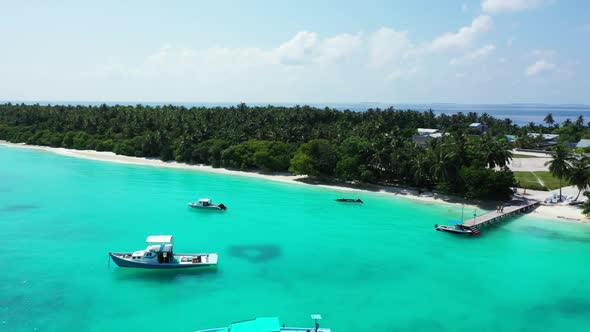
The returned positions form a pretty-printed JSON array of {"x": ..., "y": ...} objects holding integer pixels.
[{"x": 374, "y": 146}]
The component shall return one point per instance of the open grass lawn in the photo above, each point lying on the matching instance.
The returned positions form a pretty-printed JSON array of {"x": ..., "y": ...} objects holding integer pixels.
[
  {"x": 528, "y": 180},
  {"x": 550, "y": 181}
]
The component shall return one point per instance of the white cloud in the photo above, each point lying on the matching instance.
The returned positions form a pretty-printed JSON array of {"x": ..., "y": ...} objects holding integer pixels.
[
  {"x": 307, "y": 47},
  {"x": 402, "y": 73},
  {"x": 543, "y": 54},
  {"x": 302, "y": 65},
  {"x": 339, "y": 47},
  {"x": 465, "y": 36},
  {"x": 299, "y": 49},
  {"x": 539, "y": 67},
  {"x": 387, "y": 50},
  {"x": 387, "y": 45},
  {"x": 474, "y": 56},
  {"x": 498, "y": 6}
]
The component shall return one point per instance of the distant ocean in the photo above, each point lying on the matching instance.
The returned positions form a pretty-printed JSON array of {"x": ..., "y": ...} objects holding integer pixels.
[{"x": 520, "y": 114}]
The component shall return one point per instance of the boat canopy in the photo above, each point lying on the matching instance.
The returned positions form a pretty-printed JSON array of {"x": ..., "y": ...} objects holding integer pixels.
[
  {"x": 205, "y": 200},
  {"x": 261, "y": 324},
  {"x": 159, "y": 239}
]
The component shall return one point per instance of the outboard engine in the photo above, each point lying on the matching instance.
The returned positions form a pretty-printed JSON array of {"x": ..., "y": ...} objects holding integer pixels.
[{"x": 223, "y": 207}]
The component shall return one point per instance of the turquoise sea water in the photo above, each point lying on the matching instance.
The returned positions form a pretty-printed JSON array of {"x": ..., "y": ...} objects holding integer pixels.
[{"x": 285, "y": 250}]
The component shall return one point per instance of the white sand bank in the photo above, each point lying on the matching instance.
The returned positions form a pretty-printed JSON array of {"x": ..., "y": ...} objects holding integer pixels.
[{"x": 561, "y": 212}]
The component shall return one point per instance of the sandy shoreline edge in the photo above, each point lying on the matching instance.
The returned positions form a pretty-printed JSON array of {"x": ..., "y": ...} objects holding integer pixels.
[{"x": 557, "y": 212}]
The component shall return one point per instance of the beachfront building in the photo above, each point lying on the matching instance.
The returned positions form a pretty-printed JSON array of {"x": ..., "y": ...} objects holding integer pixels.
[
  {"x": 583, "y": 144},
  {"x": 478, "y": 128},
  {"x": 426, "y": 131},
  {"x": 545, "y": 140},
  {"x": 425, "y": 135}
]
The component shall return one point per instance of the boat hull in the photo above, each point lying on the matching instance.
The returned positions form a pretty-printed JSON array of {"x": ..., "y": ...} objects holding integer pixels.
[
  {"x": 349, "y": 200},
  {"x": 283, "y": 329},
  {"x": 119, "y": 259},
  {"x": 454, "y": 231},
  {"x": 209, "y": 207}
]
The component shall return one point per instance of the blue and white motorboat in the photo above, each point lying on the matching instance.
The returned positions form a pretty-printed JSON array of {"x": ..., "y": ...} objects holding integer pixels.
[{"x": 159, "y": 254}]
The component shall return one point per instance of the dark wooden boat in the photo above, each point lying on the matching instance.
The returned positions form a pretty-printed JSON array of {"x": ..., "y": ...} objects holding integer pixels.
[{"x": 349, "y": 200}]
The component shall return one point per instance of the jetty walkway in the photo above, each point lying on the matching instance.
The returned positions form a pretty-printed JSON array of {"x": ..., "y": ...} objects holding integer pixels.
[{"x": 493, "y": 217}]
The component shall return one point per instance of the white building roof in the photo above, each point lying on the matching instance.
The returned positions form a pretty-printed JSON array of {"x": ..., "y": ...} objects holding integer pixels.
[
  {"x": 159, "y": 239},
  {"x": 426, "y": 131},
  {"x": 583, "y": 143},
  {"x": 474, "y": 125},
  {"x": 545, "y": 136}
]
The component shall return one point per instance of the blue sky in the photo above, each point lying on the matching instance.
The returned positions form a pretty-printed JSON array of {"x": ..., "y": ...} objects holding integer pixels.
[{"x": 480, "y": 51}]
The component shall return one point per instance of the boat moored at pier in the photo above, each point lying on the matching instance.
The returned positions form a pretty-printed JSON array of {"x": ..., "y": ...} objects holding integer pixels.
[{"x": 457, "y": 229}]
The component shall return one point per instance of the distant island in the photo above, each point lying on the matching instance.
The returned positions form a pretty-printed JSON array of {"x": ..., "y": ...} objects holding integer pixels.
[{"x": 459, "y": 154}]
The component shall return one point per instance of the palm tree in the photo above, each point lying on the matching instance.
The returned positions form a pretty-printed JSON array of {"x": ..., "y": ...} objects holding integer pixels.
[
  {"x": 419, "y": 165},
  {"x": 502, "y": 153},
  {"x": 549, "y": 119},
  {"x": 559, "y": 166},
  {"x": 580, "y": 122},
  {"x": 495, "y": 152},
  {"x": 443, "y": 161},
  {"x": 579, "y": 174}
]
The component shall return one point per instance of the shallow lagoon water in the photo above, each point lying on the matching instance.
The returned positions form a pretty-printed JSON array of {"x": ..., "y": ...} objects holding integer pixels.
[{"x": 285, "y": 250}]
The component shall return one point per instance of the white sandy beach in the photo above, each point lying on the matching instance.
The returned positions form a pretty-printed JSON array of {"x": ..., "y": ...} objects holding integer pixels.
[{"x": 559, "y": 212}]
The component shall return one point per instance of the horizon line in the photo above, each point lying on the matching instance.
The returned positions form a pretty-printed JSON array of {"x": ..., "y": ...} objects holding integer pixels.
[{"x": 282, "y": 103}]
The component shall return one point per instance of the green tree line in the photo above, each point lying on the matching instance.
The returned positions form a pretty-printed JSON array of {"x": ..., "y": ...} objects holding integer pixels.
[{"x": 373, "y": 146}]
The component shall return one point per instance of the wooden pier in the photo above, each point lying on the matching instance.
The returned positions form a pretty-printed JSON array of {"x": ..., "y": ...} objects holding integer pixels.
[{"x": 493, "y": 217}]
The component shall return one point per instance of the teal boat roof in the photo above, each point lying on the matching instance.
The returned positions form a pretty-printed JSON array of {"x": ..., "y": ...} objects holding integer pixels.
[{"x": 261, "y": 324}]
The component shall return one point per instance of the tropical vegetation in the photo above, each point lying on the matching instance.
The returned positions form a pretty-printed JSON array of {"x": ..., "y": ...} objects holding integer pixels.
[
  {"x": 574, "y": 168},
  {"x": 375, "y": 146}
]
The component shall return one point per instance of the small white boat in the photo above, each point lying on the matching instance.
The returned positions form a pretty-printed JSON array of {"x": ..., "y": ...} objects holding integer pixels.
[
  {"x": 207, "y": 203},
  {"x": 159, "y": 254},
  {"x": 267, "y": 324}
]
